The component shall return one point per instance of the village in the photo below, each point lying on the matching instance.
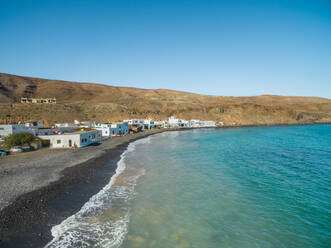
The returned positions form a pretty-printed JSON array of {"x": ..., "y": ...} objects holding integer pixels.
[{"x": 33, "y": 135}]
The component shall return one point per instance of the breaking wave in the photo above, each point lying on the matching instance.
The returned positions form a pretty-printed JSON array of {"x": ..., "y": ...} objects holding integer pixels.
[{"x": 103, "y": 220}]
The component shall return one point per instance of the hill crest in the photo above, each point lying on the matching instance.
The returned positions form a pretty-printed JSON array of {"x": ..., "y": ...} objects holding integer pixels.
[{"x": 101, "y": 102}]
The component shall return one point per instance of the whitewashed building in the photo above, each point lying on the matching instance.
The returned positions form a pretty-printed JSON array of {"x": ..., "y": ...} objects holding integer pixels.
[
  {"x": 8, "y": 129},
  {"x": 73, "y": 140},
  {"x": 135, "y": 122},
  {"x": 165, "y": 124},
  {"x": 185, "y": 123},
  {"x": 194, "y": 123},
  {"x": 149, "y": 124},
  {"x": 87, "y": 124},
  {"x": 174, "y": 122},
  {"x": 207, "y": 124},
  {"x": 38, "y": 124},
  {"x": 105, "y": 128},
  {"x": 67, "y": 125},
  {"x": 159, "y": 124},
  {"x": 119, "y": 128}
]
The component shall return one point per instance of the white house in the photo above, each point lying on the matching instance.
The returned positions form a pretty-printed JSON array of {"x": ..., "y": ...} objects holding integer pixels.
[
  {"x": 73, "y": 140},
  {"x": 185, "y": 123},
  {"x": 119, "y": 128},
  {"x": 38, "y": 124},
  {"x": 165, "y": 124},
  {"x": 136, "y": 122},
  {"x": 105, "y": 128},
  {"x": 8, "y": 129},
  {"x": 194, "y": 123},
  {"x": 174, "y": 122},
  {"x": 159, "y": 124},
  {"x": 149, "y": 124},
  {"x": 143, "y": 123},
  {"x": 87, "y": 124},
  {"x": 67, "y": 125},
  {"x": 207, "y": 124}
]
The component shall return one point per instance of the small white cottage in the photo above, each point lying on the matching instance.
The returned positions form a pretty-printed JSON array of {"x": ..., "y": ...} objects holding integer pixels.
[
  {"x": 73, "y": 140},
  {"x": 105, "y": 128}
]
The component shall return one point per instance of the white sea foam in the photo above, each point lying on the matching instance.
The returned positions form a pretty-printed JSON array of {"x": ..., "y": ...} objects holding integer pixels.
[{"x": 98, "y": 223}]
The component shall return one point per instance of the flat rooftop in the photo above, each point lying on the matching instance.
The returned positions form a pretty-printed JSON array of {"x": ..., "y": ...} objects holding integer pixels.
[{"x": 71, "y": 133}]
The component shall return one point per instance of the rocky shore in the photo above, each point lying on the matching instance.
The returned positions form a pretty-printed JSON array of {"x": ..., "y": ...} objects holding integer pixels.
[{"x": 41, "y": 188}]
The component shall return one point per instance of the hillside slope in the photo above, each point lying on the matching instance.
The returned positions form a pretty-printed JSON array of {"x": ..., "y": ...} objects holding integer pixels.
[{"x": 87, "y": 101}]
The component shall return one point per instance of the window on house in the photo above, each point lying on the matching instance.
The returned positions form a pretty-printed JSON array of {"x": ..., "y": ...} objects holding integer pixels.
[{"x": 58, "y": 142}]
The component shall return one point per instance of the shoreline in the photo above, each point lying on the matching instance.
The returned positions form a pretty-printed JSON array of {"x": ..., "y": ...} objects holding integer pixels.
[
  {"x": 27, "y": 221},
  {"x": 272, "y": 125}
]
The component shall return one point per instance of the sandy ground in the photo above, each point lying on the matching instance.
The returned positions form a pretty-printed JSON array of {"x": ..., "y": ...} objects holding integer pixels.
[{"x": 27, "y": 172}]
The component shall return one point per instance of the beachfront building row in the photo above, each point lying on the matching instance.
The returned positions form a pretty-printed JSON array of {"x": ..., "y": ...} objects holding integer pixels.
[
  {"x": 194, "y": 123},
  {"x": 38, "y": 129},
  {"x": 79, "y": 134},
  {"x": 107, "y": 129},
  {"x": 146, "y": 124}
]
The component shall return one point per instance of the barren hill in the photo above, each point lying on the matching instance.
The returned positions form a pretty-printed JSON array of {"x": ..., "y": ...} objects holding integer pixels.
[{"x": 87, "y": 101}]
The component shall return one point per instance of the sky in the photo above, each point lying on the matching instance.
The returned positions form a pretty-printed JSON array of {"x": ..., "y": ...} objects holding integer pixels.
[{"x": 230, "y": 48}]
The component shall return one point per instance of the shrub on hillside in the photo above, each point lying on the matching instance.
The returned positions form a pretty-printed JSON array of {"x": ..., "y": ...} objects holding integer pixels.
[{"x": 18, "y": 139}]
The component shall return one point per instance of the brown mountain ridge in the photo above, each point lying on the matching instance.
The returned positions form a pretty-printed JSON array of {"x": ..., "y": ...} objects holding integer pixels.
[{"x": 98, "y": 102}]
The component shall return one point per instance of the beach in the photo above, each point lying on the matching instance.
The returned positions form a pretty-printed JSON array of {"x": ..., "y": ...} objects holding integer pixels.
[{"x": 35, "y": 187}]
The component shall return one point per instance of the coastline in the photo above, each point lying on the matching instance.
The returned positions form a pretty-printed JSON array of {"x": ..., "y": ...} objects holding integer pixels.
[
  {"x": 27, "y": 221},
  {"x": 273, "y": 125}
]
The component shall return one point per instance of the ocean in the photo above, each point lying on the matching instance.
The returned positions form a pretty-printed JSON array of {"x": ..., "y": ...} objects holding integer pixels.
[{"x": 213, "y": 188}]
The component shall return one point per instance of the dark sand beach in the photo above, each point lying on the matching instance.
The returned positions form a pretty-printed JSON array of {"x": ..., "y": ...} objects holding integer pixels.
[{"x": 40, "y": 189}]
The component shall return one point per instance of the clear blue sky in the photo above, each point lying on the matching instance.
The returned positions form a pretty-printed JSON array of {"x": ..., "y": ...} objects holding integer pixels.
[{"x": 214, "y": 47}]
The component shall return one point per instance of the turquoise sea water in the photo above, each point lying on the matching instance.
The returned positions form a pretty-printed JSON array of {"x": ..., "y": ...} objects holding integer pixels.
[{"x": 240, "y": 187}]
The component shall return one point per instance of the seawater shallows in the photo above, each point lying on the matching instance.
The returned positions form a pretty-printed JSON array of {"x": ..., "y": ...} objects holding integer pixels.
[
  {"x": 103, "y": 220},
  {"x": 241, "y": 187}
]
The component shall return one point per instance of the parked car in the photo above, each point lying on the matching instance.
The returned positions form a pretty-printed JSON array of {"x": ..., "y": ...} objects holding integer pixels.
[
  {"x": 3, "y": 153},
  {"x": 26, "y": 148},
  {"x": 16, "y": 149}
]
